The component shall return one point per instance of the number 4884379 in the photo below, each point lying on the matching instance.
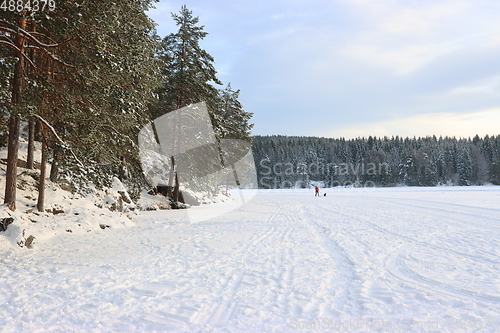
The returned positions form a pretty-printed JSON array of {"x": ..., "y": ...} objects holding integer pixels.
[{"x": 28, "y": 5}]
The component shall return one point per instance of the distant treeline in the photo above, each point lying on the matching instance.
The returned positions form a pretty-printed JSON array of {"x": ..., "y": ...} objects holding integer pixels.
[{"x": 287, "y": 162}]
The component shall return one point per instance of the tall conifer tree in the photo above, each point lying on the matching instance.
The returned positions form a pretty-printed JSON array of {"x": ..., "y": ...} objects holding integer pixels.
[{"x": 188, "y": 71}]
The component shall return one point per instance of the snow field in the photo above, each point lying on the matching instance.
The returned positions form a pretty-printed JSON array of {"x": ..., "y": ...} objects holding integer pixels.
[{"x": 366, "y": 260}]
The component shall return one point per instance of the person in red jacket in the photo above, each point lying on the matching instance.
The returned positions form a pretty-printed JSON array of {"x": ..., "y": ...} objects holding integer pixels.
[{"x": 317, "y": 191}]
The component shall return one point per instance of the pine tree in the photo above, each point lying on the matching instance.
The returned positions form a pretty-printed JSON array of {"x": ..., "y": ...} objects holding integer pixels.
[
  {"x": 17, "y": 36},
  {"x": 188, "y": 71},
  {"x": 116, "y": 76},
  {"x": 231, "y": 121},
  {"x": 188, "y": 77},
  {"x": 92, "y": 87}
]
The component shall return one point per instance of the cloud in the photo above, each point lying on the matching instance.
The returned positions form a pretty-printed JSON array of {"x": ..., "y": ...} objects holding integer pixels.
[
  {"x": 316, "y": 67},
  {"x": 439, "y": 124},
  {"x": 403, "y": 36}
]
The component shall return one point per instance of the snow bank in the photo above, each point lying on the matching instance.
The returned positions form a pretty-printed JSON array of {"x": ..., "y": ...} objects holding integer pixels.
[{"x": 65, "y": 212}]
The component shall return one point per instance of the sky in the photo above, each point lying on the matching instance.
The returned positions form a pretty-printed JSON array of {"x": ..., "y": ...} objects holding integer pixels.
[{"x": 355, "y": 68}]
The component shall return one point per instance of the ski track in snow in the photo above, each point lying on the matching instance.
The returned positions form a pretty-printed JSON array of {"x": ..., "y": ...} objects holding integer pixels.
[{"x": 378, "y": 260}]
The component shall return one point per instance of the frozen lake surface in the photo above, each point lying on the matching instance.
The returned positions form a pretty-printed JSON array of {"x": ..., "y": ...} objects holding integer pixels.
[{"x": 357, "y": 260}]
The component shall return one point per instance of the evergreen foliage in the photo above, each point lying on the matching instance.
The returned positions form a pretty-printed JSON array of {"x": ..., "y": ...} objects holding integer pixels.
[
  {"x": 188, "y": 71},
  {"x": 286, "y": 162},
  {"x": 231, "y": 121},
  {"x": 89, "y": 73},
  {"x": 92, "y": 73},
  {"x": 188, "y": 76}
]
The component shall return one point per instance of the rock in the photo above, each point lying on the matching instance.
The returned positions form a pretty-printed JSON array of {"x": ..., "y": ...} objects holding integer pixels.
[
  {"x": 67, "y": 187},
  {"x": 179, "y": 205},
  {"x": 190, "y": 198},
  {"x": 163, "y": 205},
  {"x": 117, "y": 206},
  {"x": 125, "y": 197},
  {"x": 4, "y": 223},
  {"x": 55, "y": 210},
  {"x": 29, "y": 242}
]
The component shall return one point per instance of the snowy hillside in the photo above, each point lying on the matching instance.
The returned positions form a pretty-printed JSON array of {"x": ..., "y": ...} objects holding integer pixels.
[
  {"x": 65, "y": 212},
  {"x": 372, "y": 260}
]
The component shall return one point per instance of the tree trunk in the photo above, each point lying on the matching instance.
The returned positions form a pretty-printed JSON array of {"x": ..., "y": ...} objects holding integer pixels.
[
  {"x": 30, "y": 160},
  {"x": 122, "y": 172},
  {"x": 38, "y": 131},
  {"x": 176, "y": 188},
  {"x": 171, "y": 177},
  {"x": 41, "y": 183},
  {"x": 12, "y": 157},
  {"x": 54, "y": 169},
  {"x": 31, "y": 144},
  {"x": 14, "y": 123}
]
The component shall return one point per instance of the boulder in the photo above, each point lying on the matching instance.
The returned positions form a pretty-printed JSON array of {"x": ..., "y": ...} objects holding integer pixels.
[{"x": 4, "y": 223}]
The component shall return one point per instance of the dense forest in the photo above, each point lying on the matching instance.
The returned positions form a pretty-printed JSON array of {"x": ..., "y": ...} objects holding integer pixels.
[
  {"x": 288, "y": 162},
  {"x": 83, "y": 77}
]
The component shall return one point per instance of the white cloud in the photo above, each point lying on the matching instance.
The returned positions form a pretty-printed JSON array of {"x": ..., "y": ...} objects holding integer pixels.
[
  {"x": 344, "y": 60},
  {"x": 404, "y": 36},
  {"x": 444, "y": 124}
]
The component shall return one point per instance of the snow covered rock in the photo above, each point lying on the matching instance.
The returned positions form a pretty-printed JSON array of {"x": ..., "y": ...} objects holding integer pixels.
[
  {"x": 4, "y": 223},
  {"x": 117, "y": 198},
  {"x": 190, "y": 198}
]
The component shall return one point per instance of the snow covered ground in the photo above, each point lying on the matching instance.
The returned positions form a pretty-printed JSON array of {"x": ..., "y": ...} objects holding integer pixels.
[{"x": 357, "y": 260}]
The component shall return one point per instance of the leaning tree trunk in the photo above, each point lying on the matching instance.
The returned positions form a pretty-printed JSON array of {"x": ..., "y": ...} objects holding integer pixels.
[{"x": 14, "y": 122}]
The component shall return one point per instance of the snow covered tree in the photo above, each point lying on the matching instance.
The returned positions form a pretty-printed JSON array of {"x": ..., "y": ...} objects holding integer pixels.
[
  {"x": 114, "y": 78},
  {"x": 188, "y": 77},
  {"x": 464, "y": 165},
  {"x": 421, "y": 161},
  {"x": 89, "y": 71},
  {"x": 20, "y": 43}
]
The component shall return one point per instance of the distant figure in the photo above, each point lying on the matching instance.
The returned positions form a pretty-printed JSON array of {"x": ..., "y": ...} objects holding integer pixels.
[
  {"x": 317, "y": 191},
  {"x": 324, "y": 194}
]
